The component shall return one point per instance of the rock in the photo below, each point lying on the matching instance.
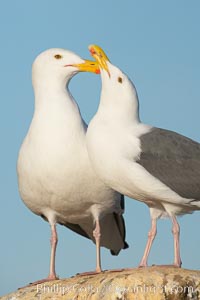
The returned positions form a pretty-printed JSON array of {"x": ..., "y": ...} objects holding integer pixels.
[{"x": 152, "y": 283}]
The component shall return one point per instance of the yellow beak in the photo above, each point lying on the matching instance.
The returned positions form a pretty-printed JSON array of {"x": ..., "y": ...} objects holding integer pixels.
[
  {"x": 87, "y": 66},
  {"x": 100, "y": 56}
]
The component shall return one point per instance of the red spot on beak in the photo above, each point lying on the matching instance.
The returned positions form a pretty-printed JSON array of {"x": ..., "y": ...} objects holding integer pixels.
[
  {"x": 92, "y": 51},
  {"x": 97, "y": 71}
]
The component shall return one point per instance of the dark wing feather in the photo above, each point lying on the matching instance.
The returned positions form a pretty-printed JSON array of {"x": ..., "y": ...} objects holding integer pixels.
[
  {"x": 121, "y": 226},
  {"x": 76, "y": 228}
]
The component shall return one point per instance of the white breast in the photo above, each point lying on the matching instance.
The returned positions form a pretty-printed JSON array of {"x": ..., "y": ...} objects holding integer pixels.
[{"x": 54, "y": 169}]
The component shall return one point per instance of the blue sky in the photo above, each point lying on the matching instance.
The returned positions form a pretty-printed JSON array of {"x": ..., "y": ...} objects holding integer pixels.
[{"x": 157, "y": 44}]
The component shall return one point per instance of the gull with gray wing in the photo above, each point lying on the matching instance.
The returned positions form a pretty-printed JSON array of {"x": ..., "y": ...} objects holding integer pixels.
[{"x": 156, "y": 166}]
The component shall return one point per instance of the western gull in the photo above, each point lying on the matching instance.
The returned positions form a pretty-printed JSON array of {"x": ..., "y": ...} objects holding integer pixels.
[
  {"x": 156, "y": 166},
  {"x": 55, "y": 176}
]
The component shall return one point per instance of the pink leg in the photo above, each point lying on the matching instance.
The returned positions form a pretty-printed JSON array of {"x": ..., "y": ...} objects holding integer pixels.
[
  {"x": 97, "y": 236},
  {"x": 151, "y": 236},
  {"x": 176, "y": 233},
  {"x": 52, "y": 273},
  {"x": 54, "y": 241}
]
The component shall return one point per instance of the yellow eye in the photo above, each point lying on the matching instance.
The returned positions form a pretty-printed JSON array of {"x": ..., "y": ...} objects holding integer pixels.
[
  {"x": 58, "y": 56},
  {"x": 119, "y": 79}
]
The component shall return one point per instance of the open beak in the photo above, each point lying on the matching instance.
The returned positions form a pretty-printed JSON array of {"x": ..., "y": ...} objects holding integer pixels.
[
  {"x": 87, "y": 66},
  {"x": 100, "y": 56}
]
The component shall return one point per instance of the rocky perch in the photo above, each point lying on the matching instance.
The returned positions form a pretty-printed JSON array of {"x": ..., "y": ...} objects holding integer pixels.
[{"x": 159, "y": 283}]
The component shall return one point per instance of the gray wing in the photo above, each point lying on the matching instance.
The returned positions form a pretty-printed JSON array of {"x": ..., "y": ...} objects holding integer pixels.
[
  {"x": 76, "y": 228},
  {"x": 174, "y": 159},
  {"x": 121, "y": 227}
]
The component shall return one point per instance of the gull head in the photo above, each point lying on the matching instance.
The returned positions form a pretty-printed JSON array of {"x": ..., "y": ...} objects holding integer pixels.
[
  {"x": 118, "y": 94},
  {"x": 115, "y": 83},
  {"x": 60, "y": 64}
]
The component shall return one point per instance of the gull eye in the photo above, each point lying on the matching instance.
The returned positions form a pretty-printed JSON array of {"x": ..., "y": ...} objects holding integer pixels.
[
  {"x": 119, "y": 79},
  {"x": 58, "y": 56}
]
